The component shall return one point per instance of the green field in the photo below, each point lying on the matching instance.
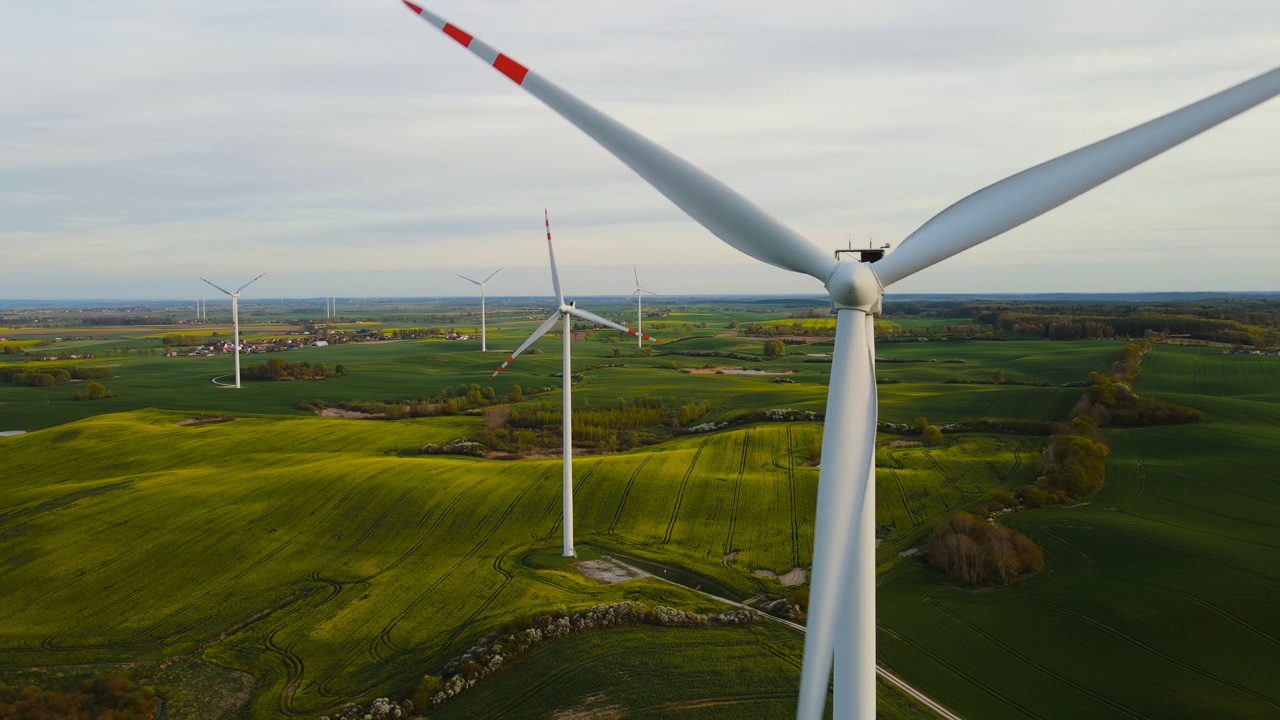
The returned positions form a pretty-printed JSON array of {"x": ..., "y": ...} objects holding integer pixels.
[{"x": 308, "y": 554}]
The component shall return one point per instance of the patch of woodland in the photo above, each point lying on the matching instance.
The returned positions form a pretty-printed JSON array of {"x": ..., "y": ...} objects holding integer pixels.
[
  {"x": 976, "y": 552},
  {"x": 113, "y": 696},
  {"x": 536, "y": 428},
  {"x": 462, "y": 399},
  {"x": 278, "y": 369},
  {"x": 93, "y": 391}
]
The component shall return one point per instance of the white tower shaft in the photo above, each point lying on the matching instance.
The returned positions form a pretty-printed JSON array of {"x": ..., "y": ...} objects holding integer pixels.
[
  {"x": 639, "y": 320},
  {"x": 484, "y": 338},
  {"x": 568, "y": 446},
  {"x": 235, "y": 330}
]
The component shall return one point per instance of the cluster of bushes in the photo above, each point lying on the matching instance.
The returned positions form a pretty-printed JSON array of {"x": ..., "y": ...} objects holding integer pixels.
[
  {"x": 94, "y": 391},
  {"x": 110, "y": 697},
  {"x": 50, "y": 376},
  {"x": 380, "y": 709},
  {"x": 495, "y": 651},
  {"x": 462, "y": 399},
  {"x": 278, "y": 369},
  {"x": 974, "y": 552}
]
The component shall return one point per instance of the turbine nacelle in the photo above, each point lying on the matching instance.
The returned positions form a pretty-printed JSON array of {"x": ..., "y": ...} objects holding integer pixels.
[{"x": 854, "y": 286}]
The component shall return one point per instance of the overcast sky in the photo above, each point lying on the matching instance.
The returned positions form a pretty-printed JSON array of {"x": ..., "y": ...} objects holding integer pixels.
[{"x": 347, "y": 146}]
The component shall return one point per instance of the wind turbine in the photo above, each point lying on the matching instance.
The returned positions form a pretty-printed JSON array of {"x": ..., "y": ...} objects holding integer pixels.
[
  {"x": 564, "y": 310},
  {"x": 235, "y": 319},
  {"x": 484, "y": 342},
  {"x": 842, "y": 590},
  {"x": 639, "y": 296}
]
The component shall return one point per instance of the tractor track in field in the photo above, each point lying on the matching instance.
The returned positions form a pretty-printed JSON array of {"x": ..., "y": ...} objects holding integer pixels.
[
  {"x": 924, "y": 650},
  {"x": 422, "y": 538},
  {"x": 1063, "y": 679},
  {"x": 1219, "y": 486},
  {"x": 684, "y": 485},
  {"x": 664, "y": 709},
  {"x": 384, "y": 637},
  {"x": 323, "y": 516},
  {"x": 626, "y": 492},
  {"x": 786, "y": 657},
  {"x": 1184, "y": 553},
  {"x": 293, "y": 669},
  {"x": 794, "y": 505},
  {"x": 545, "y": 681},
  {"x": 902, "y": 493},
  {"x": 1197, "y": 508},
  {"x": 1241, "y": 622},
  {"x": 737, "y": 494},
  {"x": 375, "y": 524},
  {"x": 1157, "y": 652},
  {"x": 507, "y": 576},
  {"x": 947, "y": 478}
]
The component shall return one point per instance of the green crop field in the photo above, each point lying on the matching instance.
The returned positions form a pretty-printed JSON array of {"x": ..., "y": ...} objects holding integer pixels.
[
  {"x": 1160, "y": 598},
  {"x": 309, "y": 555}
]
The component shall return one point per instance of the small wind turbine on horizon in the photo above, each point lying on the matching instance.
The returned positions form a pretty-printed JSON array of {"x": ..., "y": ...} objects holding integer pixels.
[
  {"x": 564, "y": 310},
  {"x": 484, "y": 339},
  {"x": 235, "y": 320},
  {"x": 639, "y": 296},
  {"x": 842, "y": 616}
]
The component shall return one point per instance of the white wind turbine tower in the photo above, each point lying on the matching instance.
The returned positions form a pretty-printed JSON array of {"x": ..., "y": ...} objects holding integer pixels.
[
  {"x": 235, "y": 320},
  {"x": 842, "y": 591},
  {"x": 564, "y": 310},
  {"x": 484, "y": 341},
  {"x": 639, "y": 296}
]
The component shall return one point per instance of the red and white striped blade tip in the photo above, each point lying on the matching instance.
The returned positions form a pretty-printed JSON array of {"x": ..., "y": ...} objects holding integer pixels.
[{"x": 416, "y": 10}]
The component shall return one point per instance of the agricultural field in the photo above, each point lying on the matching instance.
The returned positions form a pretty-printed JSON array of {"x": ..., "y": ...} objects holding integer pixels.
[
  {"x": 1161, "y": 594},
  {"x": 294, "y": 563}
]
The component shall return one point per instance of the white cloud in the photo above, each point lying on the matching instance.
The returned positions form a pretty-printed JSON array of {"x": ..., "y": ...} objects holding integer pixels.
[{"x": 347, "y": 143}]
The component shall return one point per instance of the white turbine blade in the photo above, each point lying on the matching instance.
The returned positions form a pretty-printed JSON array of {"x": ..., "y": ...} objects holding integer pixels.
[
  {"x": 542, "y": 330},
  {"x": 1033, "y": 192},
  {"x": 464, "y": 277},
  {"x": 215, "y": 286},
  {"x": 728, "y": 215},
  {"x": 592, "y": 317},
  {"x": 242, "y": 287},
  {"x": 637, "y": 272},
  {"x": 495, "y": 272},
  {"x": 848, "y": 451},
  {"x": 555, "y": 275}
]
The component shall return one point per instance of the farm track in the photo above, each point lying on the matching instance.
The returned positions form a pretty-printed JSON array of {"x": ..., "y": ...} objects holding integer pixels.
[
  {"x": 737, "y": 494},
  {"x": 1158, "y": 653},
  {"x": 684, "y": 485},
  {"x": 1224, "y": 516},
  {"x": 626, "y": 492},
  {"x": 1063, "y": 679}
]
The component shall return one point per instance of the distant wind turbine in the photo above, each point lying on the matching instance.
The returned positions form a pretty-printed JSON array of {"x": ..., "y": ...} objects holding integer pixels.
[
  {"x": 842, "y": 597},
  {"x": 235, "y": 319},
  {"x": 564, "y": 311},
  {"x": 639, "y": 296},
  {"x": 484, "y": 341}
]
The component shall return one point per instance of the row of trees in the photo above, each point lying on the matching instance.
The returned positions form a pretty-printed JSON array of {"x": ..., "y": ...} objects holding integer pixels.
[
  {"x": 278, "y": 369},
  {"x": 50, "y": 376},
  {"x": 624, "y": 425}
]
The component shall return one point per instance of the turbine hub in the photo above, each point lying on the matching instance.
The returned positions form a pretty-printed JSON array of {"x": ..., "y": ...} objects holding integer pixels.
[{"x": 854, "y": 285}]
